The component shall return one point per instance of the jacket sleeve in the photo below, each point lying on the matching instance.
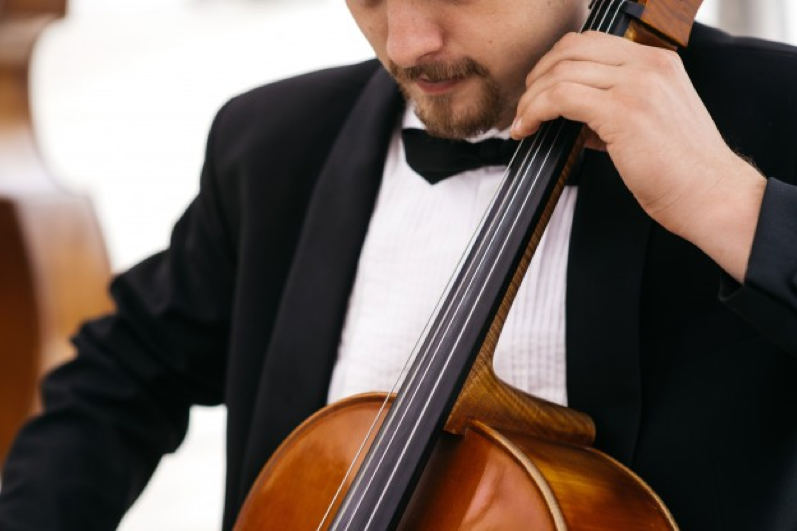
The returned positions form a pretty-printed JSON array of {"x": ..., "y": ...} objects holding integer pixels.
[
  {"x": 112, "y": 412},
  {"x": 768, "y": 297}
]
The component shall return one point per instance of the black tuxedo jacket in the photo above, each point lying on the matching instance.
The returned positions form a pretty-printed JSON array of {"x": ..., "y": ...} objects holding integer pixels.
[{"x": 690, "y": 378}]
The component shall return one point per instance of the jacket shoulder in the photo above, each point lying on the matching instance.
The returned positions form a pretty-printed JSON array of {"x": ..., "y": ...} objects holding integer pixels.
[
  {"x": 730, "y": 60},
  {"x": 270, "y": 143},
  {"x": 749, "y": 86},
  {"x": 297, "y": 103},
  {"x": 741, "y": 64}
]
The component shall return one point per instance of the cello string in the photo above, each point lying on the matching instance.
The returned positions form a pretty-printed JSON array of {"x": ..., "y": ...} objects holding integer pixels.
[
  {"x": 419, "y": 417},
  {"x": 427, "y": 327},
  {"x": 414, "y": 430},
  {"x": 422, "y": 341},
  {"x": 428, "y": 336},
  {"x": 414, "y": 393},
  {"x": 430, "y": 339},
  {"x": 443, "y": 316},
  {"x": 416, "y": 349},
  {"x": 423, "y": 338},
  {"x": 490, "y": 273},
  {"x": 485, "y": 229},
  {"x": 412, "y": 390},
  {"x": 481, "y": 265}
]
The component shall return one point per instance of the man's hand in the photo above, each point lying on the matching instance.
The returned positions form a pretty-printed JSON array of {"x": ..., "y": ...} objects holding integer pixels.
[{"x": 644, "y": 111}]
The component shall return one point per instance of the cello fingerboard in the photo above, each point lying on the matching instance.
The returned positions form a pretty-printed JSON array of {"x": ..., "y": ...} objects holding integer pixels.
[{"x": 520, "y": 211}]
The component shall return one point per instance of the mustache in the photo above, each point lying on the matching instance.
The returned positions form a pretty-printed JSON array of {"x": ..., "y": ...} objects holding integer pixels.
[{"x": 436, "y": 71}]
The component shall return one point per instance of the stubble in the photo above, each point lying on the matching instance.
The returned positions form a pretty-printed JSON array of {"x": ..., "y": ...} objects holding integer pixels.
[{"x": 437, "y": 112}]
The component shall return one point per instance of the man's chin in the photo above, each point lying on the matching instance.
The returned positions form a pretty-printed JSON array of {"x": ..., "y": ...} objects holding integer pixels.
[
  {"x": 446, "y": 121},
  {"x": 457, "y": 114}
]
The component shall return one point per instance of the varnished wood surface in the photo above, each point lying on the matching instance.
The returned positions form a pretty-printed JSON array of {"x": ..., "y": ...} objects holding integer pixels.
[
  {"x": 484, "y": 479},
  {"x": 671, "y": 18},
  {"x": 54, "y": 268},
  {"x": 593, "y": 490},
  {"x": 312, "y": 464},
  {"x": 10, "y": 8}
]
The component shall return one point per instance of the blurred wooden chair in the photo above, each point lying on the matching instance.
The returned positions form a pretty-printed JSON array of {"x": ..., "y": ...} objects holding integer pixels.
[{"x": 53, "y": 264}]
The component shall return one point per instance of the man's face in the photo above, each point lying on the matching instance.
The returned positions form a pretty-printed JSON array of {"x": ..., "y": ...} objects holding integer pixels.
[{"x": 464, "y": 62}]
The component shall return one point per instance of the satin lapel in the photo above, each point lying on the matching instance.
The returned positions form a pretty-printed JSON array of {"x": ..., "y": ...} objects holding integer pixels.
[
  {"x": 607, "y": 255},
  {"x": 299, "y": 360}
]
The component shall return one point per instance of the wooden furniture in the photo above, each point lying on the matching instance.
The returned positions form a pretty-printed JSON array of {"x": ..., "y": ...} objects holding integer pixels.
[{"x": 53, "y": 263}]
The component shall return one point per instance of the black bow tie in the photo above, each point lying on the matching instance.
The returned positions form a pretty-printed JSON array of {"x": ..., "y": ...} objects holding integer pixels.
[{"x": 437, "y": 158}]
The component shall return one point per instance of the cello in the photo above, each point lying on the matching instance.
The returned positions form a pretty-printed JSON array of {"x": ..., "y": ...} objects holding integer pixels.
[
  {"x": 456, "y": 448},
  {"x": 54, "y": 265}
]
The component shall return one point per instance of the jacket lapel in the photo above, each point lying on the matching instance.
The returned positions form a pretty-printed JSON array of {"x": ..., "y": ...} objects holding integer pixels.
[
  {"x": 606, "y": 257},
  {"x": 299, "y": 360},
  {"x": 607, "y": 254}
]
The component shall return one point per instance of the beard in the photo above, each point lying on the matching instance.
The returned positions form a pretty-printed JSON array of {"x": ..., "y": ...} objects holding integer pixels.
[{"x": 437, "y": 111}]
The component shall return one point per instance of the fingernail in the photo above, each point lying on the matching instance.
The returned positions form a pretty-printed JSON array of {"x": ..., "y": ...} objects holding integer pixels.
[{"x": 517, "y": 123}]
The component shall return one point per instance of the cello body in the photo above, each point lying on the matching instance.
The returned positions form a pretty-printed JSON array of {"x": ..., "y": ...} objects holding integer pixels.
[{"x": 486, "y": 478}]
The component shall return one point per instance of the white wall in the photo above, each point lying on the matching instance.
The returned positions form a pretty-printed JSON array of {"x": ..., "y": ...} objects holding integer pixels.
[{"x": 123, "y": 98}]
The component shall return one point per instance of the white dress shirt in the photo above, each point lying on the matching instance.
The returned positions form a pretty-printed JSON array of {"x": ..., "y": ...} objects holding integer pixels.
[{"x": 416, "y": 237}]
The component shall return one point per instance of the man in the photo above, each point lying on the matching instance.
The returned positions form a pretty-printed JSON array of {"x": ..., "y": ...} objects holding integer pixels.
[{"x": 681, "y": 302}]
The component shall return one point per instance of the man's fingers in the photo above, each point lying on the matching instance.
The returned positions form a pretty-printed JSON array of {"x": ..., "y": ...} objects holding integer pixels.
[
  {"x": 592, "y": 47},
  {"x": 593, "y": 75},
  {"x": 574, "y": 101}
]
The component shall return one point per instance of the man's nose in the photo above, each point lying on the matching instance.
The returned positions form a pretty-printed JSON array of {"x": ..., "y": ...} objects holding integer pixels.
[{"x": 414, "y": 33}]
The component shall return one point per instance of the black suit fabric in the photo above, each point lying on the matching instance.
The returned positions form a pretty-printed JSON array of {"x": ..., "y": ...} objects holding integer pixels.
[{"x": 688, "y": 376}]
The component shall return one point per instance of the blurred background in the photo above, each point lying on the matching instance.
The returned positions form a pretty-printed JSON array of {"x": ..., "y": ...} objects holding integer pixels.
[{"x": 123, "y": 93}]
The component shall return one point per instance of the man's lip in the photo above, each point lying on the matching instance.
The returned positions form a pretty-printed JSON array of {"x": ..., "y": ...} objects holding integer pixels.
[{"x": 437, "y": 87}]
